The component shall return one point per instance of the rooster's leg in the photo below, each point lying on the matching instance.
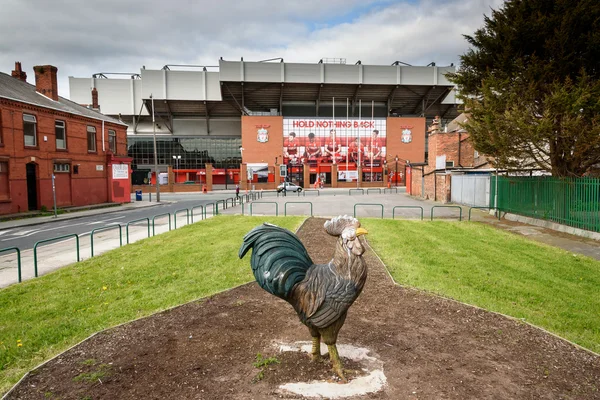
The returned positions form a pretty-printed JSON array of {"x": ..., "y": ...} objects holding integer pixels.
[
  {"x": 316, "y": 344},
  {"x": 338, "y": 368},
  {"x": 316, "y": 348}
]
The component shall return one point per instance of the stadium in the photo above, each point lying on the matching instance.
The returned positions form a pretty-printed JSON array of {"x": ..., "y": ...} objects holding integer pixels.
[{"x": 257, "y": 123}]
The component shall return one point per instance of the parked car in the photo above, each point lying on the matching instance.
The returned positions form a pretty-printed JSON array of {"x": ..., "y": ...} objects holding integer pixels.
[{"x": 289, "y": 187}]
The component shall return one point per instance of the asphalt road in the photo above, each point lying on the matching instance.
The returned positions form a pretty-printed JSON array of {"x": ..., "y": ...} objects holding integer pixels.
[{"x": 25, "y": 237}]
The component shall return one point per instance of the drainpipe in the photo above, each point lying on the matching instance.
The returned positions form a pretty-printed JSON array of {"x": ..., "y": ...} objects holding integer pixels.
[
  {"x": 422, "y": 182},
  {"x": 103, "y": 148},
  {"x": 459, "y": 150}
]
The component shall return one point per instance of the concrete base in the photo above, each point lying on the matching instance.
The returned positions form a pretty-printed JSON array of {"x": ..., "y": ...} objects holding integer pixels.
[
  {"x": 553, "y": 225},
  {"x": 371, "y": 383}
]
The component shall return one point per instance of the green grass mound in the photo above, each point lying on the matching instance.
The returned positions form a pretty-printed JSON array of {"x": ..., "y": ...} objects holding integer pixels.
[
  {"x": 496, "y": 270},
  {"x": 44, "y": 316}
]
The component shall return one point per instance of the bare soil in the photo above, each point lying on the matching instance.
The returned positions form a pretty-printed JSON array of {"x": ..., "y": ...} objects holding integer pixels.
[{"x": 431, "y": 348}]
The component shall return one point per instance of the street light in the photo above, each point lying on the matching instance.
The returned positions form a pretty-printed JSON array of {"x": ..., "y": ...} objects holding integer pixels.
[
  {"x": 176, "y": 158},
  {"x": 396, "y": 170},
  {"x": 155, "y": 151}
]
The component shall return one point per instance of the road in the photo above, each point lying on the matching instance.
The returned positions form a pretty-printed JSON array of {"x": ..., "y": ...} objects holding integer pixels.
[{"x": 26, "y": 237}]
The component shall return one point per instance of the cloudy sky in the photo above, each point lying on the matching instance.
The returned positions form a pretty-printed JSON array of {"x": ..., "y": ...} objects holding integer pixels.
[{"x": 85, "y": 37}]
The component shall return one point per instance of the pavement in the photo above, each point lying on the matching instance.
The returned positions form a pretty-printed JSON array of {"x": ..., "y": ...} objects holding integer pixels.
[
  {"x": 27, "y": 219},
  {"x": 326, "y": 203}
]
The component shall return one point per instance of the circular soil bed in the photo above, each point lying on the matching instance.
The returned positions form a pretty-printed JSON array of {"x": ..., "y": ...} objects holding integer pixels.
[{"x": 430, "y": 348}]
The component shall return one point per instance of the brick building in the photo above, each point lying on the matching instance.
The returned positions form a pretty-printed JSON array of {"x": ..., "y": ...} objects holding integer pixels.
[
  {"x": 43, "y": 134},
  {"x": 244, "y": 122},
  {"x": 449, "y": 151}
]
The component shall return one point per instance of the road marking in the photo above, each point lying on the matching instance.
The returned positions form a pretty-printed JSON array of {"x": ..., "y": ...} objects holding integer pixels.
[{"x": 6, "y": 231}]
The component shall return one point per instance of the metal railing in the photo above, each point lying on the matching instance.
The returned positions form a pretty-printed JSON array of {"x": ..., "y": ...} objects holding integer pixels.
[
  {"x": 459, "y": 208},
  {"x": 478, "y": 208},
  {"x": 134, "y": 221},
  {"x": 202, "y": 212},
  {"x": 350, "y": 191},
  {"x": 35, "y": 265},
  {"x": 368, "y": 204},
  {"x": 216, "y": 208},
  {"x": 18, "y": 259},
  {"x": 105, "y": 228},
  {"x": 297, "y": 202},
  {"x": 160, "y": 215},
  {"x": 187, "y": 216},
  {"x": 378, "y": 190},
  {"x": 569, "y": 201},
  {"x": 394, "y": 210},
  {"x": 266, "y": 202}
]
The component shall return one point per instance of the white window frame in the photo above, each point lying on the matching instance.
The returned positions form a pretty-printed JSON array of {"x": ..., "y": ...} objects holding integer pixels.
[
  {"x": 62, "y": 167},
  {"x": 91, "y": 144},
  {"x": 57, "y": 126},
  {"x": 30, "y": 119}
]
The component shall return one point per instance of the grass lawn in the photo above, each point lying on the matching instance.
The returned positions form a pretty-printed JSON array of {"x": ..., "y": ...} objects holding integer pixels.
[
  {"x": 496, "y": 270},
  {"x": 44, "y": 316}
]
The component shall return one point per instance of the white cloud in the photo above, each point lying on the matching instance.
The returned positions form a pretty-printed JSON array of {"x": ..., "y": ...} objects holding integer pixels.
[{"x": 82, "y": 38}]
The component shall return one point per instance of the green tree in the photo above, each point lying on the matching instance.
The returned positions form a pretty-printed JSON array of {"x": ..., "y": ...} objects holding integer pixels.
[{"x": 530, "y": 82}]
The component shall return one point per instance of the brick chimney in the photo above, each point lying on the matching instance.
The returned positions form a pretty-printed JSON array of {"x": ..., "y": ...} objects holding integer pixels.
[
  {"x": 95, "y": 105},
  {"x": 18, "y": 72},
  {"x": 45, "y": 81}
]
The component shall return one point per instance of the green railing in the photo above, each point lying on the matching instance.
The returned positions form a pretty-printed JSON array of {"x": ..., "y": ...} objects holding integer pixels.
[
  {"x": 104, "y": 228},
  {"x": 478, "y": 208},
  {"x": 304, "y": 191},
  {"x": 35, "y": 266},
  {"x": 297, "y": 202},
  {"x": 202, "y": 212},
  {"x": 18, "y": 259},
  {"x": 216, "y": 208},
  {"x": 378, "y": 190},
  {"x": 569, "y": 201},
  {"x": 133, "y": 222},
  {"x": 394, "y": 210},
  {"x": 266, "y": 202},
  {"x": 459, "y": 209},
  {"x": 187, "y": 216},
  {"x": 160, "y": 215},
  {"x": 361, "y": 190},
  {"x": 368, "y": 204},
  {"x": 390, "y": 189},
  {"x": 206, "y": 207}
]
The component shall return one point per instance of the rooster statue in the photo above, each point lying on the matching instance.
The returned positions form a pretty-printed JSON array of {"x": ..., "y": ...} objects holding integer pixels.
[{"x": 320, "y": 293}]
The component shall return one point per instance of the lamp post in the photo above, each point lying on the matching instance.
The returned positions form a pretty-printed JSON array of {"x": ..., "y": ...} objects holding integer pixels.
[
  {"x": 155, "y": 152},
  {"x": 176, "y": 158},
  {"x": 396, "y": 171}
]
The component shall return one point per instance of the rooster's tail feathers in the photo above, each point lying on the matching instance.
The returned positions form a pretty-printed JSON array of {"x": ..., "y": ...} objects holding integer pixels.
[{"x": 279, "y": 260}]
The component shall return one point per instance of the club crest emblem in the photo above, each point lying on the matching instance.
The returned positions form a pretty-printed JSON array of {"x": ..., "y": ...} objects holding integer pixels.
[
  {"x": 406, "y": 136},
  {"x": 262, "y": 136}
]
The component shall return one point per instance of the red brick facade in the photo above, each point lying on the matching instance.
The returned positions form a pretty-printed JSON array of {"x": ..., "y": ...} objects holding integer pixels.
[
  {"x": 82, "y": 177},
  {"x": 459, "y": 152}
]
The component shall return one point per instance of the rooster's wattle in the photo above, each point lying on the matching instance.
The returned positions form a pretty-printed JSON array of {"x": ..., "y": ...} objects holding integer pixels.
[{"x": 320, "y": 293}]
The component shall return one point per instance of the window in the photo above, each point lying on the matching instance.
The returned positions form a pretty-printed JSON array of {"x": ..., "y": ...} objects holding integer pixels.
[
  {"x": 1, "y": 142},
  {"x": 476, "y": 154},
  {"x": 449, "y": 164},
  {"x": 112, "y": 141},
  {"x": 61, "y": 136},
  {"x": 4, "y": 183},
  {"x": 29, "y": 130},
  {"x": 62, "y": 167},
  {"x": 91, "y": 138}
]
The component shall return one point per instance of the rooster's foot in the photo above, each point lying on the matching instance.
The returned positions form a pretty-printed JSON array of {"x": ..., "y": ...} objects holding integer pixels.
[
  {"x": 339, "y": 371},
  {"x": 319, "y": 358}
]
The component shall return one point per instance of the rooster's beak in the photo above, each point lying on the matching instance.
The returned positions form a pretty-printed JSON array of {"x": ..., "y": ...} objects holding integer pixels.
[{"x": 361, "y": 231}]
